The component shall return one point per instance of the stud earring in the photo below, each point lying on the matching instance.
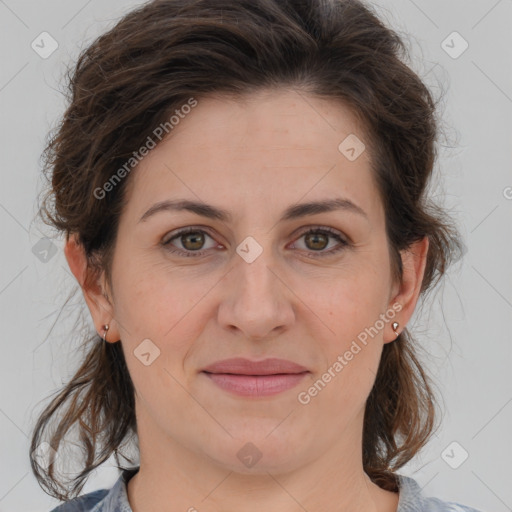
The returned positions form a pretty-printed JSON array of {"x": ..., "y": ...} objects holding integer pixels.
[
  {"x": 395, "y": 325},
  {"x": 105, "y": 329}
]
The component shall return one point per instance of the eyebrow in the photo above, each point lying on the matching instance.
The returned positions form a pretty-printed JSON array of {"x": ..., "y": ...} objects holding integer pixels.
[{"x": 293, "y": 212}]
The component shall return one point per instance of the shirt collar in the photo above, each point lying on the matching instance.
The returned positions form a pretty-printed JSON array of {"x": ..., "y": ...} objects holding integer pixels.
[{"x": 410, "y": 498}]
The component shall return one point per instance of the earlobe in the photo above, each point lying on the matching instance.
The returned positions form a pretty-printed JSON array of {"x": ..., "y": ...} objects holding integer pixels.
[
  {"x": 97, "y": 301},
  {"x": 395, "y": 326},
  {"x": 414, "y": 260}
]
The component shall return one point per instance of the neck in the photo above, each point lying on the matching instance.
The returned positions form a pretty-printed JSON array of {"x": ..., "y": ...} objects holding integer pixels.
[{"x": 175, "y": 478}]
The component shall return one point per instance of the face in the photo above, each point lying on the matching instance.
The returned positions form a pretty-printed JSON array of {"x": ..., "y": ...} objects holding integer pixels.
[{"x": 312, "y": 287}]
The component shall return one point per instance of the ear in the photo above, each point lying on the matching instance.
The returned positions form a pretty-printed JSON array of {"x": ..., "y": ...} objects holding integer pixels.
[
  {"x": 94, "y": 289},
  {"x": 407, "y": 292}
]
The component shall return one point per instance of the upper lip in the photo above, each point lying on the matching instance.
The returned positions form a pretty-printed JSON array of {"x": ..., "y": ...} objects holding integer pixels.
[{"x": 241, "y": 366}]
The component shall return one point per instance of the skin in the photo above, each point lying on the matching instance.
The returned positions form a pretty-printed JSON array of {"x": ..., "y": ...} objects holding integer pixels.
[{"x": 254, "y": 158}]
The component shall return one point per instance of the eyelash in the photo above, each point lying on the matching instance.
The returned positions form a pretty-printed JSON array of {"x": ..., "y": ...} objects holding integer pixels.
[{"x": 315, "y": 254}]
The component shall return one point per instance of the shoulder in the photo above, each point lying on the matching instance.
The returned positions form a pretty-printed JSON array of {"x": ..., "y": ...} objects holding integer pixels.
[
  {"x": 412, "y": 500},
  {"x": 114, "y": 499},
  {"x": 85, "y": 503}
]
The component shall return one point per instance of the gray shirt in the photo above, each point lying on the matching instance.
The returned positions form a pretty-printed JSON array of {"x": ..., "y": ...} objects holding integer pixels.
[{"x": 411, "y": 499}]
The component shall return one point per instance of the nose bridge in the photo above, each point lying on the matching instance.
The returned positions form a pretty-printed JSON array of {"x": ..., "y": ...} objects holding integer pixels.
[
  {"x": 256, "y": 302},
  {"x": 253, "y": 268}
]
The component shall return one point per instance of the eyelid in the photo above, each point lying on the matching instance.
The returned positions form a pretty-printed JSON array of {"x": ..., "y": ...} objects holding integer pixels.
[
  {"x": 319, "y": 227},
  {"x": 177, "y": 233},
  {"x": 182, "y": 231},
  {"x": 344, "y": 240}
]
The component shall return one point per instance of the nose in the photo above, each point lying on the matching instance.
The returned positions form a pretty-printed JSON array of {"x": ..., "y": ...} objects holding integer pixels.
[{"x": 257, "y": 300}]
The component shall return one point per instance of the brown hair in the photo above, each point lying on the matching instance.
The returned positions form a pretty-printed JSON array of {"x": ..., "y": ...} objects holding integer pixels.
[{"x": 132, "y": 78}]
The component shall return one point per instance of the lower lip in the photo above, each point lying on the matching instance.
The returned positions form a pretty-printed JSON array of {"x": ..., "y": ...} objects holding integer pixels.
[{"x": 256, "y": 385}]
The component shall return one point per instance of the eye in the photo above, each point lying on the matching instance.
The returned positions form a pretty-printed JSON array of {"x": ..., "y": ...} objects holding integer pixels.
[
  {"x": 192, "y": 242},
  {"x": 317, "y": 239}
]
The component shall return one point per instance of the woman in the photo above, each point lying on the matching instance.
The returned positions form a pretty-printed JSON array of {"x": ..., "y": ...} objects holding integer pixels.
[{"x": 242, "y": 186}]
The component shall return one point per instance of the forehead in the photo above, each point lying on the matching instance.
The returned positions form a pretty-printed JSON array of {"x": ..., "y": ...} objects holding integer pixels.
[
  {"x": 272, "y": 146},
  {"x": 268, "y": 119}
]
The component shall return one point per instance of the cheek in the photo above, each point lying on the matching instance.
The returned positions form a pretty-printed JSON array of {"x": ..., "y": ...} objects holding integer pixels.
[
  {"x": 340, "y": 389},
  {"x": 353, "y": 310},
  {"x": 153, "y": 296},
  {"x": 353, "y": 304},
  {"x": 165, "y": 305}
]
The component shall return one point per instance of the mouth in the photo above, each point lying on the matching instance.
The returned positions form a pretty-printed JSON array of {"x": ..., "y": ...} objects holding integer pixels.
[
  {"x": 255, "y": 378},
  {"x": 256, "y": 385}
]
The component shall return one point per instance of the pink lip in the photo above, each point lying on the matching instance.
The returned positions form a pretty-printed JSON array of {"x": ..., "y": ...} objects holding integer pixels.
[
  {"x": 255, "y": 378},
  {"x": 241, "y": 366}
]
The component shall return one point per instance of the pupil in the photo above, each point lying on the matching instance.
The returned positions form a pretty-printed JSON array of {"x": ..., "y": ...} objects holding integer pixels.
[
  {"x": 194, "y": 237},
  {"x": 315, "y": 237}
]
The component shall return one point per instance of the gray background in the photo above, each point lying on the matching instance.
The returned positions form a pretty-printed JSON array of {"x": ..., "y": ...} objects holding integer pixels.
[{"x": 465, "y": 328}]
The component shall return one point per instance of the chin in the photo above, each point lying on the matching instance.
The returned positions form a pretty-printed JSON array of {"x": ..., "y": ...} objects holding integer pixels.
[{"x": 260, "y": 456}]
